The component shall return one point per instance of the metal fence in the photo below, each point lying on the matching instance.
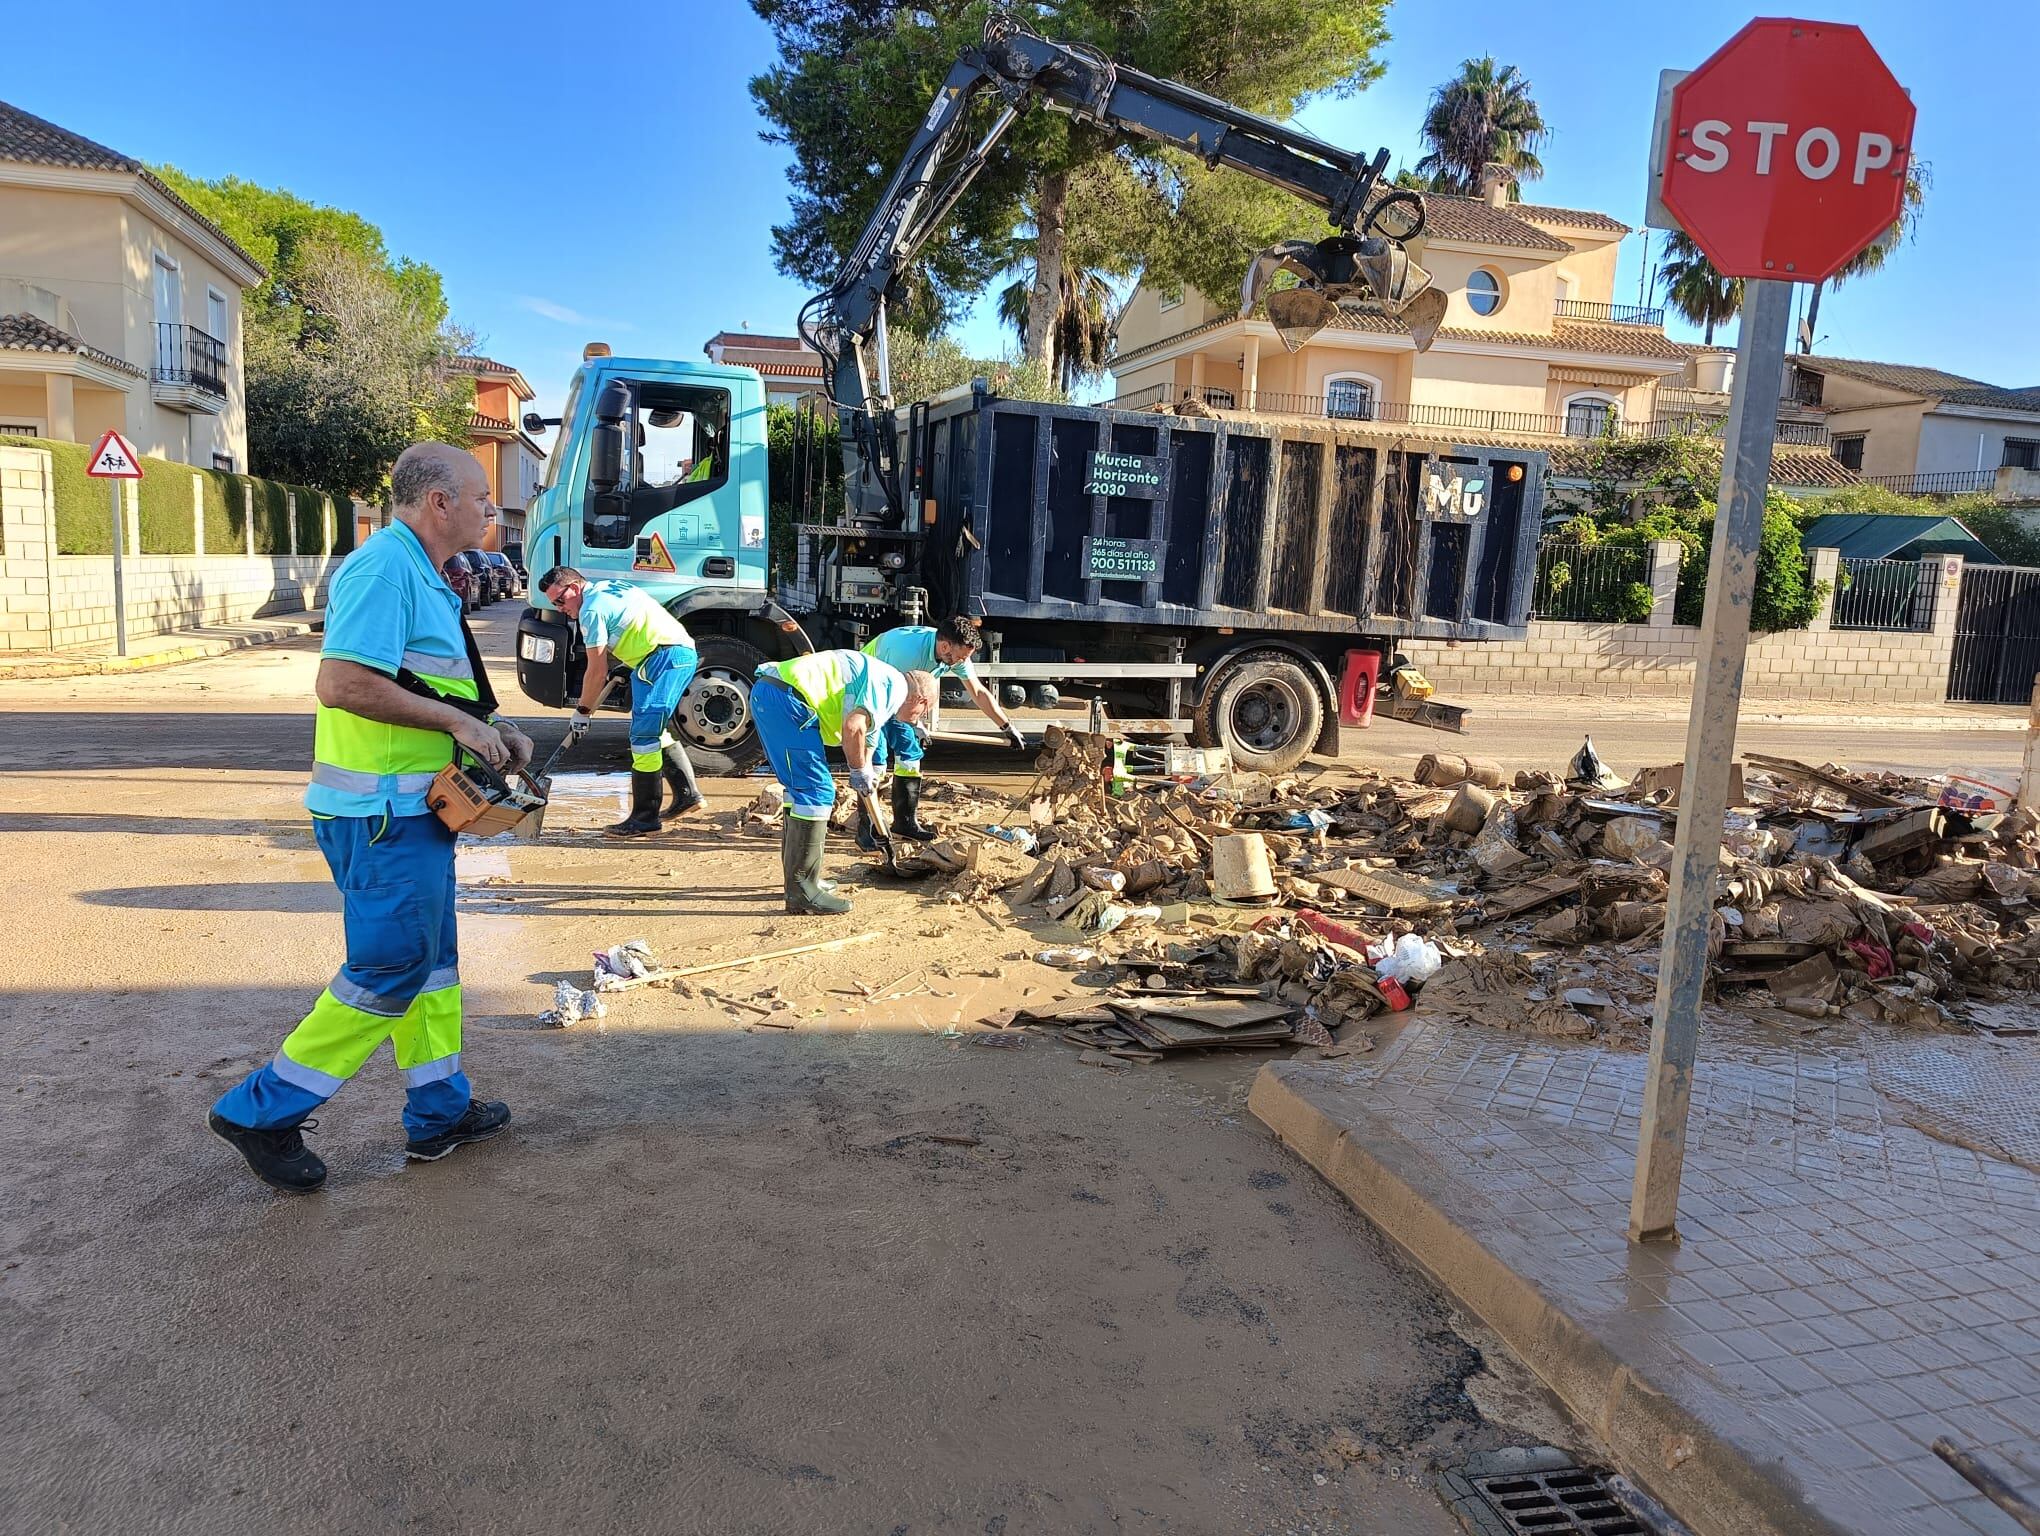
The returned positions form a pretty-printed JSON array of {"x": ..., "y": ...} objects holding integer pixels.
[
  {"x": 1592, "y": 583},
  {"x": 1617, "y": 314},
  {"x": 1886, "y": 594},
  {"x": 1997, "y": 635}
]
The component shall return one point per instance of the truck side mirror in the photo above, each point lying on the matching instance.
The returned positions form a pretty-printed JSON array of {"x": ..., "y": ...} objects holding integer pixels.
[{"x": 612, "y": 418}]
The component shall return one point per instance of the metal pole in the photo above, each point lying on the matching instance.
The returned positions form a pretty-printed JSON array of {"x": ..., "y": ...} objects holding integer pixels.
[
  {"x": 1710, "y": 750},
  {"x": 119, "y": 582}
]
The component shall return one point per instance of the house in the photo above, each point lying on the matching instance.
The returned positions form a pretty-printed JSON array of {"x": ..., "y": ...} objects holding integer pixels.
[
  {"x": 515, "y": 464},
  {"x": 1919, "y": 431},
  {"x": 120, "y": 304},
  {"x": 1533, "y": 347},
  {"x": 1893, "y": 536},
  {"x": 789, "y": 366}
]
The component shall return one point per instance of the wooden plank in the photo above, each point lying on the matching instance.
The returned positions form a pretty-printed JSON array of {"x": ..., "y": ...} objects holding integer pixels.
[
  {"x": 1386, "y": 888},
  {"x": 1806, "y": 773},
  {"x": 1532, "y": 895}
]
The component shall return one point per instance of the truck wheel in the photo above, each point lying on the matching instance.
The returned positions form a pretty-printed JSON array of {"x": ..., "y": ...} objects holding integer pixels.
[
  {"x": 1046, "y": 695},
  {"x": 1012, "y": 695},
  {"x": 714, "y": 717},
  {"x": 1264, "y": 708}
]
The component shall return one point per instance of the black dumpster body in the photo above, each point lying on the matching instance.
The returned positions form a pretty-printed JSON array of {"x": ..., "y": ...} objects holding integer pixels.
[{"x": 1095, "y": 540}]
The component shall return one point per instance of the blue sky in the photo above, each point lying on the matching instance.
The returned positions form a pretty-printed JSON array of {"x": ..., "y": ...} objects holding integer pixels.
[{"x": 576, "y": 181}]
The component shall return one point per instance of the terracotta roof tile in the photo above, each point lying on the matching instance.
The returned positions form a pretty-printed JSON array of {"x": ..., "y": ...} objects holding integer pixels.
[
  {"x": 27, "y": 333},
  {"x": 480, "y": 423},
  {"x": 1568, "y": 218},
  {"x": 479, "y": 365},
  {"x": 32, "y": 140},
  {"x": 1931, "y": 383},
  {"x": 1473, "y": 221},
  {"x": 1625, "y": 340},
  {"x": 754, "y": 339}
]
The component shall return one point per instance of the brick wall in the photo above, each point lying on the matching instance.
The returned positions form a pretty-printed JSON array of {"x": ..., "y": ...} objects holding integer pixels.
[{"x": 51, "y": 602}]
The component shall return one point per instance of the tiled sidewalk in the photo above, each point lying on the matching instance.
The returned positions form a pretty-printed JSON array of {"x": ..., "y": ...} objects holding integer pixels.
[{"x": 1848, "y": 1288}]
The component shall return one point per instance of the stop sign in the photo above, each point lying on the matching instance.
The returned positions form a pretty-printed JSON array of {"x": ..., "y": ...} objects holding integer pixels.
[{"x": 1787, "y": 150}]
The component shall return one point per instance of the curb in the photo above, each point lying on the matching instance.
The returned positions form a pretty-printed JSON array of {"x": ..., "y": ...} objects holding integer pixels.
[
  {"x": 54, "y": 666},
  {"x": 1627, "y": 1400}
]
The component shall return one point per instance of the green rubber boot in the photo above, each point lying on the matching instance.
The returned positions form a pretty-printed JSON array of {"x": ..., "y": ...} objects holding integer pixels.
[{"x": 800, "y": 863}]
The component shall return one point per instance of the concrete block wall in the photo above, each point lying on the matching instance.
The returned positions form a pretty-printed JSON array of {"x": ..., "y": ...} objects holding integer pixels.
[
  {"x": 1819, "y": 664},
  {"x": 50, "y": 601}
]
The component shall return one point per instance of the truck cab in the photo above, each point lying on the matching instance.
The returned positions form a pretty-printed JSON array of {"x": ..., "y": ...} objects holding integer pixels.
[{"x": 658, "y": 477}]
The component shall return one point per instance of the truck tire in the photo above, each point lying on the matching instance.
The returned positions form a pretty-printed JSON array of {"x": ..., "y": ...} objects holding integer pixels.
[
  {"x": 714, "y": 717},
  {"x": 1264, "y": 708}
]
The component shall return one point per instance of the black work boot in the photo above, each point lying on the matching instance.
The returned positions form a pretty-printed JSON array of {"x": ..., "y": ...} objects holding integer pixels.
[
  {"x": 906, "y": 810},
  {"x": 279, "y": 1159},
  {"x": 800, "y": 864},
  {"x": 481, "y": 1121},
  {"x": 645, "y": 790},
  {"x": 680, "y": 777},
  {"x": 867, "y": 838}
]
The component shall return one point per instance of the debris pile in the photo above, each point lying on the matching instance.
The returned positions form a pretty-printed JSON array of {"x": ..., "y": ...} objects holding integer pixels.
[{"x": 1245, "y": 910}]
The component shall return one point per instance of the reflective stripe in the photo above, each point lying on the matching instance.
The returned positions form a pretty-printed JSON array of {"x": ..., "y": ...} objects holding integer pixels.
[
  {"x": 354, "y": 995},
  {"x": 811, "y": 812},
  {"x": 906, "y": 770},
  {"x": 432, "y": 668},
  {"x": 355, "y": 782},
  {"x": 432, "y": 1071},
  {"x": 446, "y": 976},
  {"x": 311, "y": 1079}
]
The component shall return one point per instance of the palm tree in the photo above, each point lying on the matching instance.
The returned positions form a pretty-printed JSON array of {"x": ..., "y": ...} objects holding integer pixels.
[
  {"x": 1083, "y": 323},
  {"x": 1694, "y": 288},
  {"x": 1918, "y": 177},
  {"x": 1485, "y": 116}
]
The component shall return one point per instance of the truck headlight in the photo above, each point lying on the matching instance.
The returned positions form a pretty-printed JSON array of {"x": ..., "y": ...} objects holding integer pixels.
[{"x": 535, "y": 648}]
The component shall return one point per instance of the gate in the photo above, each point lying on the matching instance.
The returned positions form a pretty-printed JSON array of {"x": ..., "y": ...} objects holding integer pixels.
[{"x": 1997, "y": 635}]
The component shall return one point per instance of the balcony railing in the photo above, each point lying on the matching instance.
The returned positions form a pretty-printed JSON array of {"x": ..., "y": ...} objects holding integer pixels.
[
  {"x": 1956, "y": 482},
  {"x": 1454, "y": 417},
  {"x": 1613, "y": 314},
  {"x": 187, "y": 355}
]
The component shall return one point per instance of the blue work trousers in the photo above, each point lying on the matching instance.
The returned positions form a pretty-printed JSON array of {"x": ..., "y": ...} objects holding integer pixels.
[
  {"x": 791, "y": 733},
  {"x": 900, "y": 743},
  {"x": 401, "y": 982},
  {"x": 655, "y": 689}
]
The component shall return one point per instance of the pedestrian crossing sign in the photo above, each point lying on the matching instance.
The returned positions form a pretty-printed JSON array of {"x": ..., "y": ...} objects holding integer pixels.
[
  {"x": 113, "y": 459},
  {"x": 652, "y": 555}
]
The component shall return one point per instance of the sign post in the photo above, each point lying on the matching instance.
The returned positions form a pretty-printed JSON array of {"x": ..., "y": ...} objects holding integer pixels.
[
  {"x": 1782, "y": 156},
  {"x": 114, "y": 461}
]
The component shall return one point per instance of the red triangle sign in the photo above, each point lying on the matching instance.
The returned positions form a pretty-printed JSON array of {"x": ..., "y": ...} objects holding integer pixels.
[
  {"x": 652, "y": 555},
  {"x": 114, "y": 459}
]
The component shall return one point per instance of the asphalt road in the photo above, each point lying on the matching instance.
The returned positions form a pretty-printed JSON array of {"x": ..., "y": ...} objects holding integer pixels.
[{"x": 863, "y": 1274}]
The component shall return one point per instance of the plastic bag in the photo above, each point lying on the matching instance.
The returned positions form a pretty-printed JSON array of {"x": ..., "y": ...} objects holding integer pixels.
[
  {"x": 1587, "y": 768},
  {"x": 1414, "y": 961}
]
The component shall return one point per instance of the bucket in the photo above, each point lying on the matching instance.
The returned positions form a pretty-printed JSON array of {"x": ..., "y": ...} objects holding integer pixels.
[{"x": 1239, "y": 867}]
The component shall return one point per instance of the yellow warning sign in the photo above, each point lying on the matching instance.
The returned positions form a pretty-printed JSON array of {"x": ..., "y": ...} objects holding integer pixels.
[{"x": 652, "y": 555}]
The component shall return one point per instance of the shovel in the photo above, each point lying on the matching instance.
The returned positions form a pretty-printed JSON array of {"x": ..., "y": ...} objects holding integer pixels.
[
  {"x": 541, "y": 779},
  {"x": 881, "y": 831}
]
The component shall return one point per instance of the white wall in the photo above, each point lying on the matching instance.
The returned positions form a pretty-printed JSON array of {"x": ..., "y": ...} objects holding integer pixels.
[{"x": 1949, "y": 442}]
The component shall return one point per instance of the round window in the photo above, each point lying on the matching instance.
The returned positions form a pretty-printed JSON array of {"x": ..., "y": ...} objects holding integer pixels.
[{"x": 1484, "y": 292}]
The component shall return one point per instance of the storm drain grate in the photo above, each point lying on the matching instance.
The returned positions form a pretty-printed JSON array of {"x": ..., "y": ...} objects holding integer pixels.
[
  {"x": 1539, "y": 1492},
  {"x": 1576, "y": 1500}
]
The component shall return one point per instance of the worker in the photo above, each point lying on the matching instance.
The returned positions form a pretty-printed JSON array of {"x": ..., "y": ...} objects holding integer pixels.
[
  {"x": 942, "y": 650},
  {"x": 626, "y": 625},
  {"x": 401, "y": 689},
  {"x": 826, "y": 698}
]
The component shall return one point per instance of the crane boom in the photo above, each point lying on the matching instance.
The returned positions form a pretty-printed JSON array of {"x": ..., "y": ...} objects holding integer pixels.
[{"x": 1362, "y": 267}]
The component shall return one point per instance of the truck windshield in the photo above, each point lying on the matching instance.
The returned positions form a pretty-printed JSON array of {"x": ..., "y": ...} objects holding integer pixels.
[
  {"x": 679, "y": 437},
  {"x": 558, "y": 455}
]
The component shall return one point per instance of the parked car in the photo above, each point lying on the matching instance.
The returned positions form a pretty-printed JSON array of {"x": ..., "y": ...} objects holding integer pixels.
[
  {"x": 514, "y": 553},
  {"x": 462, "y": 579},
  {"x": 509, "y": 581},
  {"x": 485, "y": 578}
]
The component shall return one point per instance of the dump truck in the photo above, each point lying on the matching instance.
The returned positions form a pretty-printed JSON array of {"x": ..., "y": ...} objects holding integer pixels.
[{"x": 1219, "y": 575}]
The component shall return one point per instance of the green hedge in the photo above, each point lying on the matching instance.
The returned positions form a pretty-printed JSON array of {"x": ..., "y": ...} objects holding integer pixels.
[
  {"x": 272, "y": 517},
  {"x": 226, "y": 512},
  {"x": 311, "y": 519},
  {"x": 84, "y": 512}
]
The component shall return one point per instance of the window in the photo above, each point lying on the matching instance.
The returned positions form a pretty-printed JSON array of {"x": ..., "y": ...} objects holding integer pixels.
[
  {"x": 1591, "y": 415},
  {"x": 1848, "y": 452},
  {"x": 2022, "y": 453},
  {"x": 676, "y": 451},
  {"x": 21, "y": 429},
  {"x": 216, "y": 315},
  {"x": 1352, "y": 396},
  {"x": 169, "y": 317},
  {"x": 223, "y": 461},
  {"x": 1169, "y": 298},
  {"x": 1483, "y": 292}
]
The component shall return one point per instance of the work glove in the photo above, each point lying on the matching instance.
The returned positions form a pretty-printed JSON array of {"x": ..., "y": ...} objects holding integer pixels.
[
  {"x": 863, "y": 781},
  {"x": 1013, "y": 735},
  {"x": 578, "y": 726}
]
